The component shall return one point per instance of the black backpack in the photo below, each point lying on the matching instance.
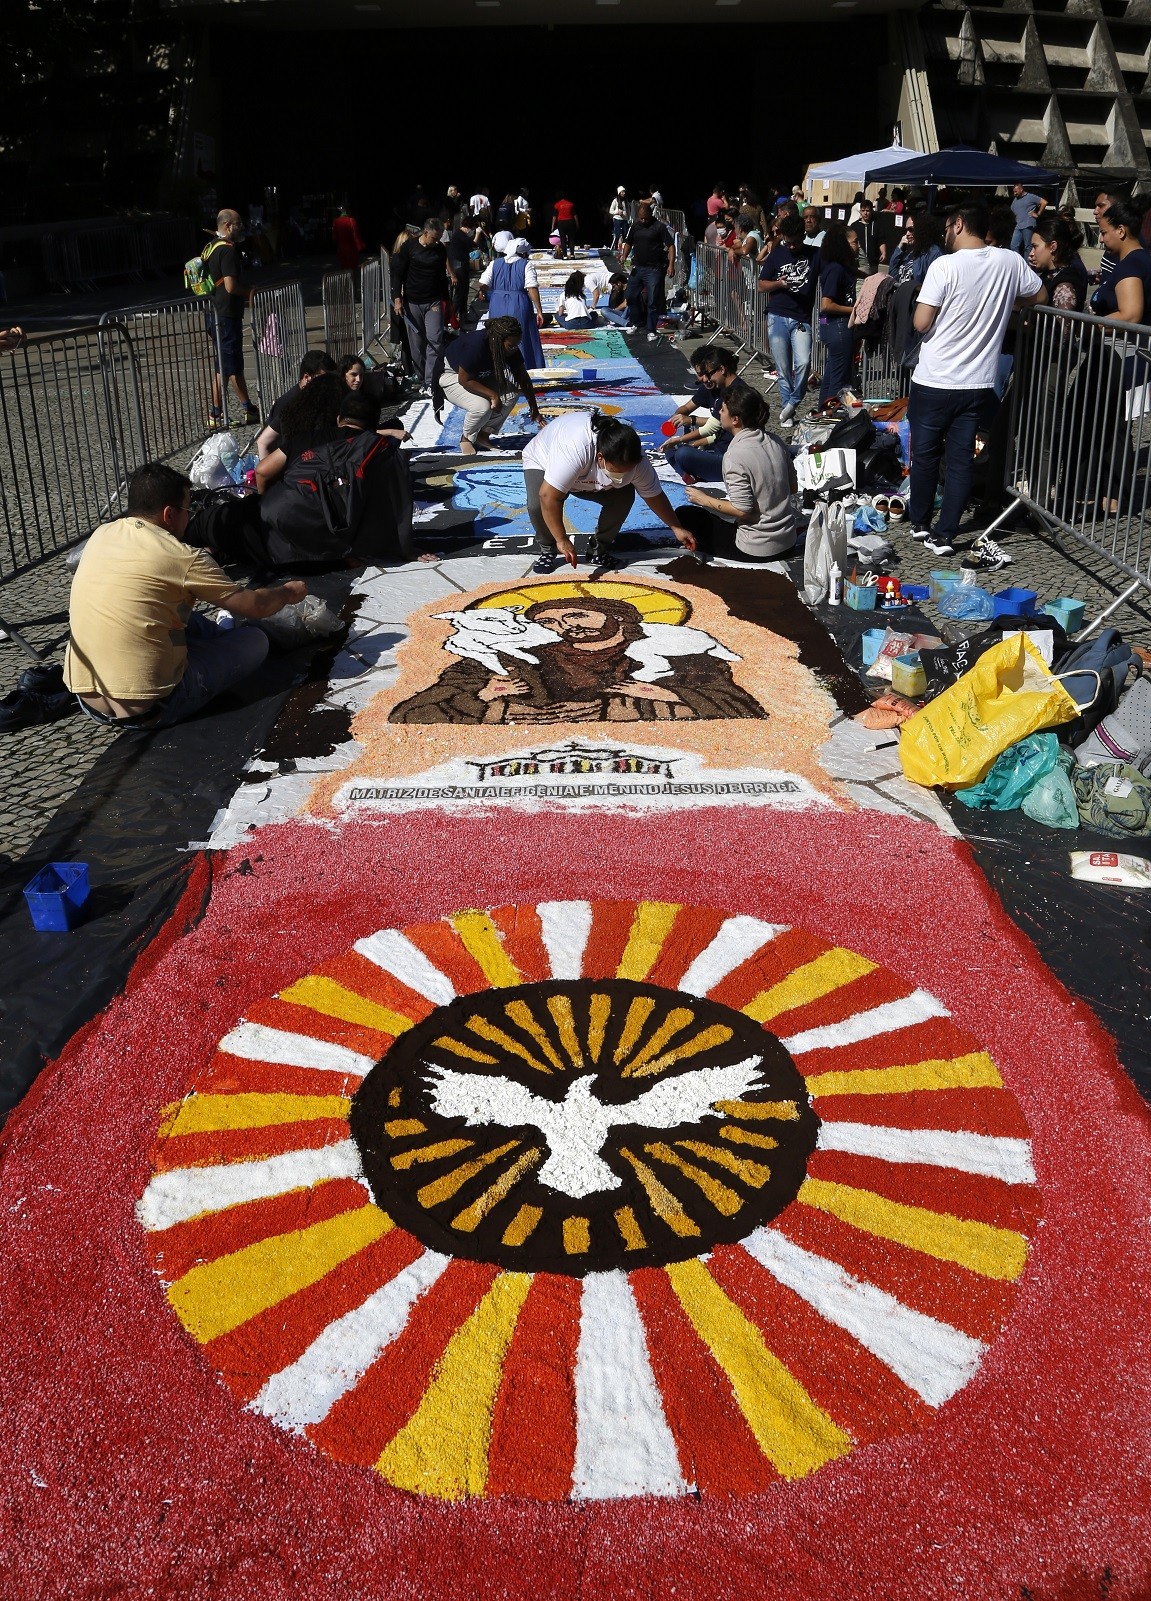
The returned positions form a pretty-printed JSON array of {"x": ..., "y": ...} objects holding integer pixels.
[{"x": 314, "y": 511}]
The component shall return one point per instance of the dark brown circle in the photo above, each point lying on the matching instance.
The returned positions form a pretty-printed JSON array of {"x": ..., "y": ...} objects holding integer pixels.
[{"x": 480, "y": 1129}]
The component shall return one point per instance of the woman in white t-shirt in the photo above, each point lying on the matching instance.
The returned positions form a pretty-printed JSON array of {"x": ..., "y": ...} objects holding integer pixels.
[
  {"x": 593, "y": 458},
  {"x": 574, "y": 311}
]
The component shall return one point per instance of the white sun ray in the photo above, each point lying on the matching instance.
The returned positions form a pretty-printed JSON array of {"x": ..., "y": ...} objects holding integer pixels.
[
  {"x": 307, "y": 1390},
  {"x": 566, "y": 927},
  {"x": 989, "y": 1155},
  {"x": 259, "y": 1043},
  {"x": 735, "y": 941},
  {"x": 917, "y": 1007},
  {"x": 931, "y": 1357},
  {"x": 624, "y": 1445},
  {"x": 186, "y": 1192},
  {"x": 398, "y": 955}
]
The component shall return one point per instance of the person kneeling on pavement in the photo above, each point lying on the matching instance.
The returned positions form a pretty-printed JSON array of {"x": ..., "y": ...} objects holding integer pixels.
[
  {"x": 755, "y": 521},
  {"x": 336, "y": 489},
  {"x": 483, "y": 373},
  {"x": 594, "y": 458},
  {"x": 699, "y": 451},
  {"x": 138, "y": 655}
]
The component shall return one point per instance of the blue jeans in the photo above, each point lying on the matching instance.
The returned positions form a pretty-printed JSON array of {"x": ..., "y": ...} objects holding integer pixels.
[
  {"x": 645, "y": 284},
  {"x": 838, "y": 341},
  {"x": 217, "y": 659},
  {"x": 1021, "y": 240},
  {"x": 699, "y": 462},
  {"x": 618, "y": 316},
  {"x": 943, "y": 419},
  {"x": 789, "y": 341}
]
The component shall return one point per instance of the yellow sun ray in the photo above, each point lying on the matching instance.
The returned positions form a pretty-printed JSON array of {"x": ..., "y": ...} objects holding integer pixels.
[
  {"x": 745, "y": 1136},
  {"x": 599, "y": 1009},
  {"x": 663, "y": 1202},
  {"x": 754, "y": 1174},
  {"x": 482, "y": 942},
  {"x": 707, "y": 1039},
  {"x": 520, "y": 1013},
  {"x": 498, "y": 1036},
  {"x": 993, "y": 1252},
  {"x": 814, "y": 979},
  {"x": 577, "y": 1235},
  {"x": 447, "y": 1043},
  {"x": 431, "y": 1153},
  {"x": 651, "y": 925},
  {"x": 973, "y": 1071},
  {"x": 560, "y": 1007},
  {"x": 794, "y": 1433},
  {"x": 324, "y": 995},
  {"x": 400, "y": 1127},
  {"x": 679, "y": 1018},
  {"x": 209, "y": 1114},
  {"x": 522, "y": 1225},
  {"x": 781, "y": 1111},
  {"x": 215, "y": 1297},
  {"x": 630, "y": 1231},
  {"x": 638, "y": 1013},
  {"x": 442, "y": 1189},
  {"x": 723, "y": 1198},
  {"x": 443, "y": 1449},
  {"x": 472, "y": 1216}
]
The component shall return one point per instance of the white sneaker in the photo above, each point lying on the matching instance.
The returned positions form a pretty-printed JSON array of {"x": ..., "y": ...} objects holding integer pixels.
[
  {"x": 629, "y": 329},
  {"x": 921, "y": 534},
  {"x": 653, "y": 339},
  {"x": 787, "y": 417}
]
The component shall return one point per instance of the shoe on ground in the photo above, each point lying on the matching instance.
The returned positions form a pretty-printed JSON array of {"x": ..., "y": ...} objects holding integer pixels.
[
  {"x": 939, "y": 544},
  {"x": 215, "y": 420},
  {"x": 985, "y": 556},
  {"x": 546, "y": 562},
  {"x": 653, "y": 339},
  {"x": 921, "y": 534},
  {"x": 250, "y": 416},
  {"x": 598, "y": 555},
  {"x": 28, "y": 708},
  {"x": 629, "y": 328},
  {"x": 787, "y": 417},
  {"x": 47, "y": 678}
]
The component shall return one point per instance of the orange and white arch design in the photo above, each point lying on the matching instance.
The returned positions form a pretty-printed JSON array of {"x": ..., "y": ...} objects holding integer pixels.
[{"x": 856, "y": 1312}]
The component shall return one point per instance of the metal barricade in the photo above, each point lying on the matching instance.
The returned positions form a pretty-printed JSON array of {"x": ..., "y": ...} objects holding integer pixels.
[
  {"x": 371, "y": 305},
  {"x": 1081, "y": 436},
  {"x": 71, "y": 432},
  {"x": 341, "y": 322},
  {"x": 177, "y": 355},
  {"x": 279, "y": 335}
]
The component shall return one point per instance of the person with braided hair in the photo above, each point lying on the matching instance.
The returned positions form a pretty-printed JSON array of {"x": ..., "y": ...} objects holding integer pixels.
[{"x": 483, "y": 373}]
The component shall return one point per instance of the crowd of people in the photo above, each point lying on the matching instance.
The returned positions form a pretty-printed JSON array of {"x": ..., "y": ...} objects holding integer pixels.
[{"x": 141, "y": 656}]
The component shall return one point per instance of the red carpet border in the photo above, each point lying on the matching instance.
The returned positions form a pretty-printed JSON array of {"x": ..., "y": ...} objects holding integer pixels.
[{"x": 131, "y": 1469}]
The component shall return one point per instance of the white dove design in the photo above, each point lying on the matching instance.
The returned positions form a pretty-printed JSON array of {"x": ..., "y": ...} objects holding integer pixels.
[{"x": 576, "y": 1127}]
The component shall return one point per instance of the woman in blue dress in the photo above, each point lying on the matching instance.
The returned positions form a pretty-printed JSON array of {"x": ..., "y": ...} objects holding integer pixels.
[{"x": 512, "y": 290}]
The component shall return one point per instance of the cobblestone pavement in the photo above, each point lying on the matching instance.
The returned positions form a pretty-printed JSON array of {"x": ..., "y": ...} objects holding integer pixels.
[{"x": 43, "y": 767}]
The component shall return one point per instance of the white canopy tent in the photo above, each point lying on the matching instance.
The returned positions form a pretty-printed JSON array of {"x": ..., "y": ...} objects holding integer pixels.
[{"x": 829, "y": 181}]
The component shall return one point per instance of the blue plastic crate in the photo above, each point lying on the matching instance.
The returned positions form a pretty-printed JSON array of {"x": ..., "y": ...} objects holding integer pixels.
[{"x": 57, "y": 896}]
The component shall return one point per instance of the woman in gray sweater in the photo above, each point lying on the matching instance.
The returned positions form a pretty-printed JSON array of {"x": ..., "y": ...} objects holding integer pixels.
[{"x": 755, "y": 520}]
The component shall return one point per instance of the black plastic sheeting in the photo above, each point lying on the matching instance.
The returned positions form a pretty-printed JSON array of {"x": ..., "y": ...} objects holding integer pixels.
[
  {"x": 1096, "y": 939},
  {"x": 131, "y": 820}
]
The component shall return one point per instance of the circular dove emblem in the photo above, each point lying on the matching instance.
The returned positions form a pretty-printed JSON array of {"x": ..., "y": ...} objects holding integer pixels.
[
  {"x": 581, "y": 1126},
  {"x": 581, "y": 1200}
]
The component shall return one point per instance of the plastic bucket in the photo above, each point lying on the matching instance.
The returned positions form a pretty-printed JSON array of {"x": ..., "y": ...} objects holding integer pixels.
[
  {"x": 871, "y": 640},
  {"x": 589, "y": 372},
  {"x": 943, "y": 580},
  {"x": 57, "y": 895},
  {"x": 1068, "y": 611},
  {"x": 1014, "y": 602}
]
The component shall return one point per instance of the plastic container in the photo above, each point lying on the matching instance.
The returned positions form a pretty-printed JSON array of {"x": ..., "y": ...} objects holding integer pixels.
[
  {"x": 871, "y": 641},
  {"x": 835, "y": 585},
  {"x": 908, "y": 676},
  {"x": 57, "y": 896},
  {"x": 667, "y": 429},
  {"x": 1068, "y": 611},
  {"x": 1014, "y": 603},
  {"x": 917, "y": 592},
  {"x": 860, "y": 597},
  {"x": 589, "y": 372},
  {"x": 942, "y": 580}
]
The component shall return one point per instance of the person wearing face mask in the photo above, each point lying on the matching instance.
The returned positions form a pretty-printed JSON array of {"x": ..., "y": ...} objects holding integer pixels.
[
  {"x": 594, "y": 458},
  {"x": 229, "y": 298}
]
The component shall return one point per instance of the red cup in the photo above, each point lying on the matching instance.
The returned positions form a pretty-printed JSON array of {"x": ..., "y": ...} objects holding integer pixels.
[{"x": 667, "y": 429}]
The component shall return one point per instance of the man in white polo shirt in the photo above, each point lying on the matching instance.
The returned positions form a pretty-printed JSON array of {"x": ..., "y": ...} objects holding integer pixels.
[
  {"x": 964, "y": 307},
  {"x": 594, "y": 458}
]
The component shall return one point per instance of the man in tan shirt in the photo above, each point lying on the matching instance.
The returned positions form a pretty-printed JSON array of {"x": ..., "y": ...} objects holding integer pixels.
[{"x": 138, "y": 657}]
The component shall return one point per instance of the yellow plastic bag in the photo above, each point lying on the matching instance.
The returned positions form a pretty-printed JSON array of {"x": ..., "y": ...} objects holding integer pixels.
[{"x": 1008, "y": 694}]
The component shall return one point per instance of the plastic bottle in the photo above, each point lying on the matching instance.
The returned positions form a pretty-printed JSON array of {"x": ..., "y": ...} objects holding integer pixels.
[
  {"x": 229, "y": 456},
  {"x": 835, "y": 585}
]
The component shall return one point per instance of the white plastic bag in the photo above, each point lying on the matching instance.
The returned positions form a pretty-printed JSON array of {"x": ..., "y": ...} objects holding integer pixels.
[
  {"x": 208, "y": 469},
  {"x": 826, "y": 546},
  {"x": 310, "y": 618},
  {"x": 816, "y": 470}
]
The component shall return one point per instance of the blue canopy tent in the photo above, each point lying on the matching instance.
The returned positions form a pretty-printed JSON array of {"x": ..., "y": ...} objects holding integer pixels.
[{"x": 962, "y": 167}]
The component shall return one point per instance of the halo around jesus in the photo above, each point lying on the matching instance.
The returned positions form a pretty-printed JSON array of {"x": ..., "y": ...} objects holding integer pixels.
[
  {"x": 654, "y": 605},
  {"x": 582, "y": 1200}
]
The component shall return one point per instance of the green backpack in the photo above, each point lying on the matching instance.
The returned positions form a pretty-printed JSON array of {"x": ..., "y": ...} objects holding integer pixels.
[{"x": 197, "y": 276}]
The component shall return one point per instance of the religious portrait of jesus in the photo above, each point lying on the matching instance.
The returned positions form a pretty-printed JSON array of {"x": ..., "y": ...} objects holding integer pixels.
[{"x": 584, "y": 658}]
